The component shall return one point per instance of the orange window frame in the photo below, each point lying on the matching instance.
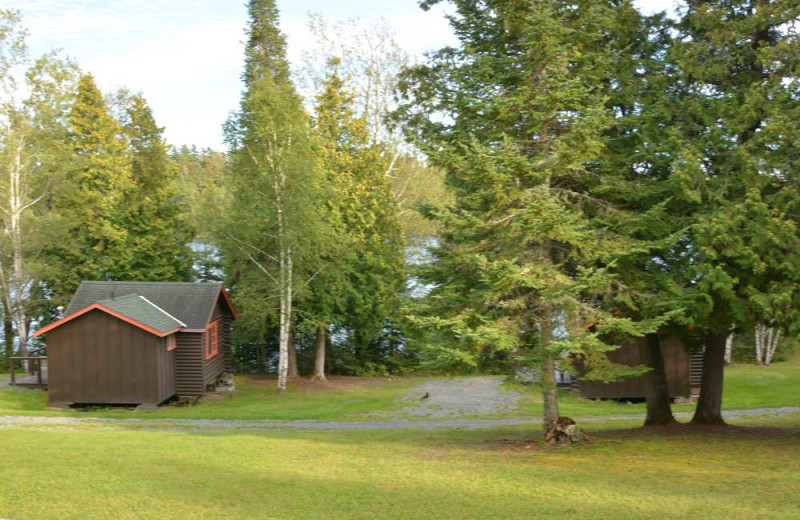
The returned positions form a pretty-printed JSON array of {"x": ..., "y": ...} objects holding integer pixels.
[
  {"x": 172, "y": 342},
  {"x": 212, "y": 340}
]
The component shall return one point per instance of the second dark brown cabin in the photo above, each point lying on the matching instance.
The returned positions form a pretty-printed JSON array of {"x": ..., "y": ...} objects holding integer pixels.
[{"x": 678, "y": 364}]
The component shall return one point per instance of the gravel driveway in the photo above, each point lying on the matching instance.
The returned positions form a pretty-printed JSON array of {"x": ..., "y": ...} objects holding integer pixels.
[{"x": 458, "y": 397}]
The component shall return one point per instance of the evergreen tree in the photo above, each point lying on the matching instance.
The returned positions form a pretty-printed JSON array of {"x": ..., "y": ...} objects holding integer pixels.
[
  {"x": 516, "y": 116},
  {"x": 93, "y": 197},
  {"x": 736, "y": 171},
  {"x": 272, "y": 231},
  {"x": 158, "y": 232},
  {"x": 359, "y": 287},
  {"x": 636, "y": 170}
]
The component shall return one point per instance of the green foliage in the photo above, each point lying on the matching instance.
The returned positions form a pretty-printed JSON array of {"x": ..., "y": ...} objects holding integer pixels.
[
  {"x": 517, "y": 118},
  {"x": 158, "y": 231},
  {"x": 93, "y": 197},
  {"x": 273, "y": 192},
  {"x": 363, "y": 275},
  {"x": 739, "y": 104}
]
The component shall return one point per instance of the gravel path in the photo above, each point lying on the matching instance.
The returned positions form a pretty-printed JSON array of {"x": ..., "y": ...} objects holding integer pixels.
[{"x": 459, "y": 397}]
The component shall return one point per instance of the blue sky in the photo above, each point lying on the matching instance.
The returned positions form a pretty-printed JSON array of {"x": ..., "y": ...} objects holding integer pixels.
[{"x": 186, "y": 55}]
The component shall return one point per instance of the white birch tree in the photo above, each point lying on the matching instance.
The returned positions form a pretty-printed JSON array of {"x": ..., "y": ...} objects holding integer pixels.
[
  {"x": 34, "y": 96},
  {"x": 767, "y": 340},
  {"x": 270, "y": 227}
]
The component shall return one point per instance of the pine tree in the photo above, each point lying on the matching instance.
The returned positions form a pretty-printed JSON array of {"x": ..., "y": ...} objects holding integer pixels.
[
  {"x": 516, "y": 116},
  {"x": 158, "y": 233},
  {"x": 93, "y": 197}
]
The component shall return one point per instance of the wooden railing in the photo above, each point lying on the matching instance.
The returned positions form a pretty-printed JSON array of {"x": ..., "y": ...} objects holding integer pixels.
[{"x": 35, "y": 360}]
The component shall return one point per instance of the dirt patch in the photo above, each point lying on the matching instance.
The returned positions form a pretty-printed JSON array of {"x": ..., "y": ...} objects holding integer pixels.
[{"x": 333, "y": 382}]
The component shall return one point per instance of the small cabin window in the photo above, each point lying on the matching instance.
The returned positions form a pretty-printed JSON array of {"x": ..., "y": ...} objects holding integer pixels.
[
  {"x": 172, "y": 342},
  {"x": 212, "y": 341}
]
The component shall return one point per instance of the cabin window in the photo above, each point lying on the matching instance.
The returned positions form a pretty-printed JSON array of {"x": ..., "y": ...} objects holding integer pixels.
[
  {"x": 172, "y": 342},
  {"x": 212, "y": 340}
]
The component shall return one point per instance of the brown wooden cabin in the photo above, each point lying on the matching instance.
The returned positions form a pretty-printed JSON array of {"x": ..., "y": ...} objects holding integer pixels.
[
  {"x": 677, "y": 363},
  {"x": 139, "y": 342}
]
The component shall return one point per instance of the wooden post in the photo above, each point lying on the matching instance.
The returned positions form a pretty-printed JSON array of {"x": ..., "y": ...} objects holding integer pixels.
[
  {"x": 39, "y": 370},
  {"x": 11, "y": 368}
]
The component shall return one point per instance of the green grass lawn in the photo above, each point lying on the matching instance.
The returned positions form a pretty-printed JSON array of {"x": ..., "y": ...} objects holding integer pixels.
[
  {"x": 746, "y": 386},
  {"x": 255, "y": 398},
  {"x": 401, "y": 474}
]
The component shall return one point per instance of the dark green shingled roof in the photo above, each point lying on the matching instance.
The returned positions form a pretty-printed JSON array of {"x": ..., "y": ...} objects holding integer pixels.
[
  {"x": 191, "y": 303},
  {"x": 142, "y": 310}
]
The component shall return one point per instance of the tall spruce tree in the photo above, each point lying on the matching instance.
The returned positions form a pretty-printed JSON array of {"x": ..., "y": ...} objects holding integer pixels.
[
  {"x": 158, "y": 231},
  {"x": 636, "y": 170},
  {"x": 93, "y": 197},
  {"x": 271, "y": 229},
  {"x": 740, "y": 108},
  {"x": 516, "y": 115}
]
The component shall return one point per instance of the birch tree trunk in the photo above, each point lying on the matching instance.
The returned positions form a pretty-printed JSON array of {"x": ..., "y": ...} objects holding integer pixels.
[
  {"x": 729, "y": 349},
  {"x": 283, "y": 337},
  {"x": 15, "y": 281},
  {"x": 319, "y": 359},
  {"x": 772, "y": 345},
  {"x": 8, "y": 331},
  {"x": 759, "y": 344},
  {"x": 292, "y": 351}
]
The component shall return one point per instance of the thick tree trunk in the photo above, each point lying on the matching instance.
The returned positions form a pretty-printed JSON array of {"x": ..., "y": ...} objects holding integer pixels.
[
  {"x": 709, "y": 406},
  {"x": 659, "y": 402},
  {"x": 548, "y": 377},
  {"x": 292, "y": 372},
  {"x": 319, "y": 359}
]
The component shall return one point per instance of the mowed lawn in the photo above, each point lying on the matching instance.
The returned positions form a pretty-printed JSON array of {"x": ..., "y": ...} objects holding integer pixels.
[
  {"x": 746, "y": 387},
  {"x": 734, "y": 473},
  {"x": 255, "y": 398}
]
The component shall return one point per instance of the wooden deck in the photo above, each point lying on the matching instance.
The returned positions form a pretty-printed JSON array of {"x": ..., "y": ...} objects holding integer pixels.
[
  {"x": 36, "y": 377},
  {"x": 32, "y": 381}
]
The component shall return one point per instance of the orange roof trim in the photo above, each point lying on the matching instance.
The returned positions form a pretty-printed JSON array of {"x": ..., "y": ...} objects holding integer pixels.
[
  {"x": 97, "y": 306},
  {"x": 229, "y": 302}
]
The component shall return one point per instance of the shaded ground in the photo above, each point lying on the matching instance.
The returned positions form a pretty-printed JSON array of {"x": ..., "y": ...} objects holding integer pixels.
[
  {"x": 444, "y": 403},
  {"x": 218, "y": 425}
]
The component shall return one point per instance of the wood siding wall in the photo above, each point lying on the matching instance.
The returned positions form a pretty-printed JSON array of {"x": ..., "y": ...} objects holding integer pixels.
[
  {"x": 98, "y": 358},
  {"x": 189, "y": 364},
  {"x": 676, "y": 364},
  {"x": 217, "y": 365}
]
